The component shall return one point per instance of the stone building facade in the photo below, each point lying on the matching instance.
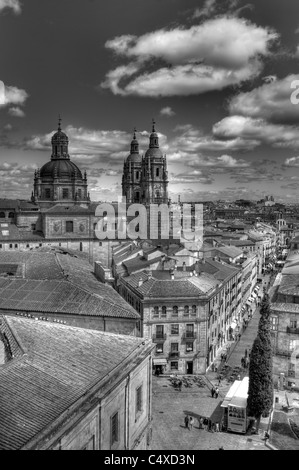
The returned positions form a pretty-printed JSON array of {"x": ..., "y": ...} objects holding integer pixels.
[{"x": 72, "y": 388}]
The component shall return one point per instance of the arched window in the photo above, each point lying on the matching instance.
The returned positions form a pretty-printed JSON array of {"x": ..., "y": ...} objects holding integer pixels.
[
  {"x": 186, "y": 309},
  {"x": 193, "y": 308},
  {"x": 11, "y": 215},
  {"x": 2, "y": 215},
  {"x": 81, "y": 246},
  {"x": 175, "y": 311},
  {"x": 156, "y": 311},
  {"x": 137, "y": 175},
  {"x": 163, "y": 311}
]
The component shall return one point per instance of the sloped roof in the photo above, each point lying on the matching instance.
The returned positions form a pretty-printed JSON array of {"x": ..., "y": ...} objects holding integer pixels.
[
  {"x": 159, "y": 285},
  {"x": 230, "y": 251},
  {"x": 55, "y": 366},
  {"x": 69, "y": 282}
]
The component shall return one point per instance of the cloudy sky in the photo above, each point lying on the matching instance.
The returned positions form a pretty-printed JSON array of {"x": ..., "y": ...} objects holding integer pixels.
[{"x": 216, "y": 75}]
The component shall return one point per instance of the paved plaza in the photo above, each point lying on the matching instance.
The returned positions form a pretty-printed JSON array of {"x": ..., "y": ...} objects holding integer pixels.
[{"x": 169, "y": 409}]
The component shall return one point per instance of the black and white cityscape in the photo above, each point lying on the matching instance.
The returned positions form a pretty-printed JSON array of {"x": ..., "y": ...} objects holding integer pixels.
[{"x": 149, "y": 227}]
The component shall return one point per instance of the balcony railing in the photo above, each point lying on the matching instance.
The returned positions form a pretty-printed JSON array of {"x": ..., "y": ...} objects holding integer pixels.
[
  {"x": 174, "y": 354},
  {"x": 159, "y": 338},
  {"x": 189, "y": 335},
  {"x": 294, "y": 331},
  {"x": 280, "y": 352}
]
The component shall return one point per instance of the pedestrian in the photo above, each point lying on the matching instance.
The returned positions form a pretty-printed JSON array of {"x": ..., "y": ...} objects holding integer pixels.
[
  {"x": 216, "y": 392},
  {"x": 200, "y": 423},
  {"x": 246, "y": 352},
  {"x": 187, "y": 421},
  {"x": 180, "y": 383},
  {"x": 217, "y": 427},
  {"x": 213, "y": 391},
  {"x": 191, "y": 422},
  {"x": 205, "y": 423},
  {"x": 219, "y": 381}
]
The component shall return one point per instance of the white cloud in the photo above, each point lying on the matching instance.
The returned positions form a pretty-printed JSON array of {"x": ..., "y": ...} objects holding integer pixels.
[
  {"x": 270, "y": 101},
  {"x": 210, "y": 56},
  {"x": 16, "y": 112},
  {"x": 13, "y": 4},
  {"x": 292, "y": 162},
  {"x": 12, "y": 95},
  {"x": 208, "y": 9},
  {"x": 277, "y": 135},
  {"x": 192, "y": 141},
  {"x": 167, "y": 111},
  {"x": 191, "y": 177}
]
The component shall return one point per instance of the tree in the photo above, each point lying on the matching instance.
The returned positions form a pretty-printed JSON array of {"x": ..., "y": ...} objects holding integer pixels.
[{"x": 260, "y": 391}]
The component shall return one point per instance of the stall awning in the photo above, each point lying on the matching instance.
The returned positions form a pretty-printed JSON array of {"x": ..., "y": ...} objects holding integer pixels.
[
  {"x": 159, "y": 362},
  {"x": 233, "y": 325}
]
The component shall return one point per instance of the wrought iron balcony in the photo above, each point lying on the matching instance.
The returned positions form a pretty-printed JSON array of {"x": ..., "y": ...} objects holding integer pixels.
[
  {"x": 294, "y": 331},
  {"x": 189, "y": 336},
  {"x": 280, "y": 352},
  {"x": 159, "y": 338},
  {"x": 174, "y": 354}
]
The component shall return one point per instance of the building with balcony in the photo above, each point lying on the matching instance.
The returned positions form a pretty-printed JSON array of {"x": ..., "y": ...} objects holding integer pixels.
[{"x": 285, "y": 320}]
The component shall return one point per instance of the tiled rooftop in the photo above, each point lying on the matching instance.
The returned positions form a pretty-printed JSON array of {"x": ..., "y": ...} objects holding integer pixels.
[
  {"x": 69, "y": 282},
  {"x": 59, "y": 366}
]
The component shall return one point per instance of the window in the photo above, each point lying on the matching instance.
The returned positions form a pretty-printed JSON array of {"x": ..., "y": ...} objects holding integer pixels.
[
  {"x": 156, "y": 311},
  {"x": 11, "y": 215},
  {"x": 159, "y": 348},
  {"x": 174, "y": 365},
  {"x": 194, "y": 309},
  {"x": 1, "y": 246},
  {"x": 65, "y": 193},
  {"x": 163, "y": 311},
  {"x": 69, "y": 226},
  {"x": 47, "y": 193},
  {"x": 274, "y": 323},
  {"x": 157, "y": 172},
  {"x": 175, "y": 311},
  {"x": 293, "y": 324},
  {"x": 138, "y": 400},
  {"x": 190, "y": 331},
  {"x": 292, "y": 344},
  {"x": 114, "y": 429},
  {"x": 10, "y": 245},
  {"x": 81, "y": 246},
  {"x": 174, "y": 347},
  {"x": 2, "y": 215},
  {"x": 79, "y": 193},
  {"x": 186, "y": 310},
  {"x": 16, "y": 245},
  {"x": 100, "y": 243},
  {"x": 160, "y": 331},
  {"x": 189, "y": 346},
  {"x": 174, "y": 329},
  {"x": 137, "y": 175},
  {"x": 33, "y": 227}
]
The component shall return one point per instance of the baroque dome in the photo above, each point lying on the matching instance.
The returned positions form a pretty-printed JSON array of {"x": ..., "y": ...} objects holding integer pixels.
[{"x": 60, "y": 168}]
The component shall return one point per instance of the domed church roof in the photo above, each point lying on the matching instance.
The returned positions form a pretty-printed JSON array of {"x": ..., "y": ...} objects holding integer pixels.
[
  {"x": 60, "y": 165},
  {"x": 60, "y": 168},
  {"x": 134, "y": 156},
  {"x": 154, "y": 150}
]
